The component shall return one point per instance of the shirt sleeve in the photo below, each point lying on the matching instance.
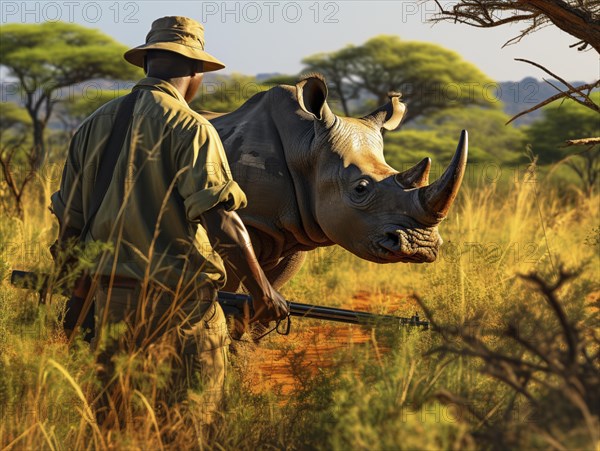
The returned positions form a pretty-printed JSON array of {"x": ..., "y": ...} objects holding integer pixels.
[
  {"x": 205, "y": 179},
  {"x": 67, "y": 202}
]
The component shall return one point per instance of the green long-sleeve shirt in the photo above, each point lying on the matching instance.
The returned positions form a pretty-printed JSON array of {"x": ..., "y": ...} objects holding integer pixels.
[{"x": 172, "y": 168}]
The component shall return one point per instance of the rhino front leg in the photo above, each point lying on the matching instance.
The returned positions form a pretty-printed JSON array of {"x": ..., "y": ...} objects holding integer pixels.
[
  {"x": 285, "y": 269},
  {"x": 278, "y": 275},
  {"x": 263, "y": 246}
]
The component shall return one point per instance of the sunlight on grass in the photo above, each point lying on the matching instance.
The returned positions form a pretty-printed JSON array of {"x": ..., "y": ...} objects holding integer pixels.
[{"x": 347, "y": 387}]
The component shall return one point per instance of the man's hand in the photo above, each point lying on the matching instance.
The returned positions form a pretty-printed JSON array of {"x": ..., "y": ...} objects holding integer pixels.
[{"x": 272, "y": 307}]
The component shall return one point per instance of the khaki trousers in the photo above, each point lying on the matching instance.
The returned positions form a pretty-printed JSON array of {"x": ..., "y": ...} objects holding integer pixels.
[{"x": 192, "y": 336}]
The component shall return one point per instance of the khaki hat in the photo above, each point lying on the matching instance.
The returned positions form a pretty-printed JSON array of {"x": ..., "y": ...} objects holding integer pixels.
[{"x": 177, "y": 34}]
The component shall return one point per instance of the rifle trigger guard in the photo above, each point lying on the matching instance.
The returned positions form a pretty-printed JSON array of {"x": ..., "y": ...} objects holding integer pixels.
[{"x": 287, "y": 327}]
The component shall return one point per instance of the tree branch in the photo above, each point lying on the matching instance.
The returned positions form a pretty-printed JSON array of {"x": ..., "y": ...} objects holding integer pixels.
[
  {"x": 579, "y": 20},
  {"x": 582, "y": 142},
  {"x": 588, "y": 102}
]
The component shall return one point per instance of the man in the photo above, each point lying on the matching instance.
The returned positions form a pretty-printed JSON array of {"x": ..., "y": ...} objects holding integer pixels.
[{"x": 171, "y": 202}]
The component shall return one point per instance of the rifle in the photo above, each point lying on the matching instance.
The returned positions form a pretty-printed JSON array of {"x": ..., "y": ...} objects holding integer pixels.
[{"x": 236, "y": 305}]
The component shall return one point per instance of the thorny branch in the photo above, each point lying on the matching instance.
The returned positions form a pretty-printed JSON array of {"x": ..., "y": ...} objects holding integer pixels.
[
  {"x": 16, "y": 188},
  {"x": 583, "y": 99},
  {"x": 579, "y": 19},
  {"x": 559, "y": 363}
]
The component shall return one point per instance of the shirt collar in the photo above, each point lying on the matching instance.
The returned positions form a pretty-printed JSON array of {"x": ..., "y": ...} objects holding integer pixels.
[{"x": 160, "y": 85}]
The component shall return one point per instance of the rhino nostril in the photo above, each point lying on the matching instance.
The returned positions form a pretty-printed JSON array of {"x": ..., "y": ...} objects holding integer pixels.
[{"x": 394, "y": 237}]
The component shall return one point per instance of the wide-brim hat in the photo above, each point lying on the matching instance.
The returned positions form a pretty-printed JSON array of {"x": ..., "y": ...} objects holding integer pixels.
[{"x": 176, "y": 34}]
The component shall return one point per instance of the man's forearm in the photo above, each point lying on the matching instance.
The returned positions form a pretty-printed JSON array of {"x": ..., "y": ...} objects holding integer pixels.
[{"x": 231, "y": 240}]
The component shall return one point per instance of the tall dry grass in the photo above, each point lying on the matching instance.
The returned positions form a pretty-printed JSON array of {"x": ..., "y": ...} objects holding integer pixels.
[{"x": 403, "y": 389}]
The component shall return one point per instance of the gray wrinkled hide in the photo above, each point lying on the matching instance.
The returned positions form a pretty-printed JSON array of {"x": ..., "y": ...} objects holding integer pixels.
[{"x": 300, "y": 166}]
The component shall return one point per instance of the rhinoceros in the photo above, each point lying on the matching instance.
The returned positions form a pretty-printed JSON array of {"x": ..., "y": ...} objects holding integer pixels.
[{"x": 314, "y": 179}]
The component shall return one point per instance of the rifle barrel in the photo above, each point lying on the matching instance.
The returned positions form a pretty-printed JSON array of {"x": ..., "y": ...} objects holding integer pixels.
[
  {"x": 232, "y": 302},
  {"x": 350, "y": 316}
]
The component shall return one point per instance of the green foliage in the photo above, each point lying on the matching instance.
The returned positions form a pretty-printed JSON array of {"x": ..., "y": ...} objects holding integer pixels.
[
  {"x": 12, "y": 115},
  {"x": 226, "y": 94},
  {"x": 389, "y": 390},
  {"x": 53, "y": 55},
  {"x": 15, "y": 128},
  {"x": 568, "y": 120},
  {"x": 430, "y": 77},
  {"x": 77, "y": 108},
  {"x": 281, "y": 80},
  {"x": 57, "y": 54},
  {"x": 561, "y": 121},
  {"x": 410, "y": 146},
  {"x": 16, "y": 155},
  {"x": 490, "y": 140}
]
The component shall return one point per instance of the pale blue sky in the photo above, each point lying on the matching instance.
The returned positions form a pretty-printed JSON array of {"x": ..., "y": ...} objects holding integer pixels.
[{"x": 273, "y": 36}]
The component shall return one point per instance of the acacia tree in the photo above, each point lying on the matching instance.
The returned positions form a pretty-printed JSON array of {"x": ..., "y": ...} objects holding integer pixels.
[
  {"x": 579, "y": 18},
  {"x": 430, "y": 77},
  {"x": 335, "y": 67},
  {"x": 566, "y": 121},
  {"x": 226, "y": 93},
  {"x": 74, "y": 110},
  {"x": 48, "y": 57},
  {"x": 16, "y": 152}
]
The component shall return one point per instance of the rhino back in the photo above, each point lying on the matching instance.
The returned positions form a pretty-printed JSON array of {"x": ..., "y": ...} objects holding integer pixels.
[{"x": 252, "y": 138}]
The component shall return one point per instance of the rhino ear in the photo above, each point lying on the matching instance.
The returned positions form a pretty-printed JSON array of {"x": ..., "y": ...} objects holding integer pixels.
[
  {"x": 311, "y": 93},
  {"x": 390, "y": 115}
]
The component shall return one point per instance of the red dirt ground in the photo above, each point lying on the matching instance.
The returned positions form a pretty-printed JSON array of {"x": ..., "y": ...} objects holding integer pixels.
[{"x": 305, "y": 351}]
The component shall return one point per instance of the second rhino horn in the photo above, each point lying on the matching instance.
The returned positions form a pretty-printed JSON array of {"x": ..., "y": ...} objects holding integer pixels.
[{"x": 417, "y": 176}]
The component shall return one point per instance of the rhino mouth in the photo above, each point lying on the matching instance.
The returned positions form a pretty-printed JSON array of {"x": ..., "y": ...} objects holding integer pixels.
[
  {"x": 417, "y": 240},
  {"x": 408, "y": 245}
]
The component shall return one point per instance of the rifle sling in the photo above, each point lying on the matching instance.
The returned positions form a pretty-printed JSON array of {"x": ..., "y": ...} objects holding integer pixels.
[
  {"x": 109, "y": 157},
  {"x": 108, "y": 161}
]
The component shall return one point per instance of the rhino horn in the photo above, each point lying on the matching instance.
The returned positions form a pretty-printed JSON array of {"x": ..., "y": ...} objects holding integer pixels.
[
  {"x": 390, "y": 115},
  {"x": 437, "y": 198},
  {"x": 417, "y": 176}
]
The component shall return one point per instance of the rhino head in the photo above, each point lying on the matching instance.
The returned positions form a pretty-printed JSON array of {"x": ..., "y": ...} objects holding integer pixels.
[{"x": 360, "y": 202}]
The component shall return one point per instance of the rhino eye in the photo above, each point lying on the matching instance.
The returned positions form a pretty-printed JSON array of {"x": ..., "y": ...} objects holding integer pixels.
[{"x": 362, "y": 187}]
